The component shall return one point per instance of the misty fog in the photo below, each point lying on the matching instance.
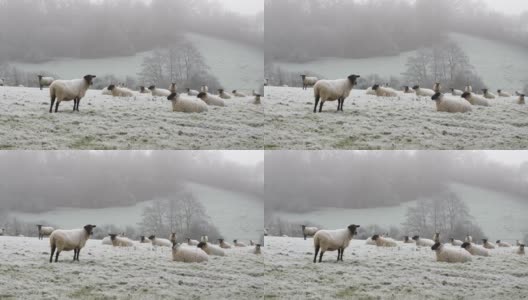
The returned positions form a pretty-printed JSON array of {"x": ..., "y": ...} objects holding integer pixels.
[{"x": 41, "y": 181}]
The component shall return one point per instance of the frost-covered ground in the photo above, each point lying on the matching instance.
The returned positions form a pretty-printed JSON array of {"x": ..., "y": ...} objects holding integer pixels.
[
  {"x": 405, "y": 122},
  {"x": 105, "y": 272},
  {"x": 105, "y": 122},
  {"x": 368, "y": 272}
]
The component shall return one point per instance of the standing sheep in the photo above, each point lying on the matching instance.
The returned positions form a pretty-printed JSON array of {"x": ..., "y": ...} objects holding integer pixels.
[
  {"x": 2, "y": 81},
  {"x": 308, "y": 231},
  {"x": 67, "y": 90},
  {"x": 223, "y": 244},
  {"x": 487, "y": 244},
  {"x": 68, "y": 240},
  {"x": 423, "y": 92},
  {"x": 256, "y": 250},
  {"x": 159, "y": 92},
  {"x": 45, "y": 81},
  {"x": 308, "y": 81},
  {"x": 332, "y": 240},
  {"x": 384, "y": 242},
  {"x": 423, "y": 242},
  {"x": 475, "y": 250},
  {"x": 211, "y": 100},
  {"x": 503, "y": 244},
  {"x": 211, "y": 249},
  {"x": 450, "y": 255},
  {"x": 451, "y": 105},
  {"x": 187, "y": 105},
  {"x": 520, "y": 250},
  {"x": 188, "y": 255},
  {"x": 332, "y": 90},
  {"x": 503, "y": 94},
  {"x": 257, "y": 100},
  {"x": 223, "y": 94},
  {"x": 44, "y": 231}
]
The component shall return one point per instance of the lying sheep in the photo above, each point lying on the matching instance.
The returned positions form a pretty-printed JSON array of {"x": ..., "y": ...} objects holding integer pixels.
[
  {"x": 520, "y": 250},
  {"x": 106, "y": 91},
  {"x": 236, "y": 243},
  {"x": 384, "y": 242},
  {"x": 192, "y": 242},
  {"x": 143, "y": 90},
  {"x": 144, "y": 240},
  {"x": 238, "y": 94},
  {"x": 423, "y": 242},
  {"x": 187, "y": 105},
  {"x": 120, "y": 91},
  {"x": 257, "y": 99},
  {"x": 407, "y": 240},
  {"x": 308, "y": 81},
  {"x": 503, "y": 94},
  {"x": 370, "y": 241},
  {"x": 223, "y": 94},
  {"x": 211, "y": 100},
  {"x": 384, "y": 91},
  {"x": 332, "y": 90},
  {"x": 159, "y": 92},
  {"x": 210, "y": 249},
  {"x": 450, "y": 255},
  {"x": 188, "y": 255},
  {"x": 487, "y": 244},
  {"x": 521, "y": 99},
  {"x": 107, "y": 241},
  {"x": 420, "y": 92},
  {"x": 68, "y": 240},
  {"x": 408, "y": 90},
  {"x": 159, "y": 242},
  {"x": 475, "y": 99},
  {"x": 223, "y": 244},
  {"x": 331, "y": 240},
  {"x": 475, "y": 250},
  {"x": 45, "y": 81},
  {"x": 451, "y": 105},
  {"x": 309, "y": 231},
  {"x": 455, "y": 242},
  {"x": 120, "y": 241},
  {"x": 67, "y": 90},
  {"x": 456, "y": 92},
  {"x": 488, "y": 94},
  {"x": 44, "y": 231},
  {"x": 192, "y": 92},
  {"x": 503, "y": 244},
  {"x": 256, "y": 250}
]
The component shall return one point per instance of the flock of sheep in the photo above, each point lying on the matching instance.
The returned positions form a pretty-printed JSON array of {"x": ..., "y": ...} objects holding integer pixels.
[
  {"x": 458, "y": 102},
  {"x": 455, "y": 251},
  {"x": 192, "y": 252},
  {"x": 191, "y": 101}
]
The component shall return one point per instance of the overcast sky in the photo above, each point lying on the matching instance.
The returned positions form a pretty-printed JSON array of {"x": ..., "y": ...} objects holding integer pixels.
[
  {"x": 247, "y": 7},
  {"x": 508, "y": 6}
]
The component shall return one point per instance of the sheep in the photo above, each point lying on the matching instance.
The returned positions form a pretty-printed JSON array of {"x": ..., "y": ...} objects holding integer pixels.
[
  {"x": 212, "y": 250},
  {"x": 423, "y": 242},
  {"x": 408, "y": 90},
  {"x": 159, "y": 92},
  {"x": 204, "y": 89},
  {"x": 204, "y": 238},
  {"x": 437, "y": 87},
  {"x": 187, "y": 105},
  {"x": 308, "y": 81},
  {"x": 468, "y": 89},
  {"x": 45, "y": 81},
  {"x": 488, "y": 94},
  {"x": 475, "y": 250},
  {"x": 331, "y": 240},
  {"x": 159, "y": 242},
  {"x": 257, "y": 100},
  {"x": 252, "y": 243},
  {"x": 106, "y": 91},
  {"x": 501, "y": 244},
  {"x": 450, "y": 255},
  {"x": 238, "y": 94},
  {"x": 173, "y": 88},
  {"x": 456, "y": 92},
  {"x": 211, "y": 100},
  {"x": 520, "y": 251},
  {"x": 144, "y": 240},
  {"x": 521, "y": 99},
  {"x": 68, "y": 240},
  {"x": 191, "y": 242},
  {"x": 265, "y": 231},
  {"x": 503, "y": 94},
  {"x": 44, "y": 231},
  {"x": 420, "y": 92},
  {"x": 384, "y": 91},
  {"x": 223, "y": 94},
  {"x": 188, "y": 255},
  {"x": 107, "y": 241},
  {"x": 487, "y": 244},
  {"x": 455, "y": 242},
  {"x": 2, "y": 80},
  {"x": 236, "y": 243},
  {"x": 120, "y": 241},
  {"x": 371, "y": 242},
  {"x": 256, "y": 250},
  {"x": 192, "y": 92},
  {"x": 266, "y": 82},
  {"x": 67, "y": 90},
  {"x": 384, "y": 242},
  {"x": 143, "y": 90},
  {"x": 223, "y": 244},
  {"x": 172, "y": 238},
  {"x": 2, "y": 231},
  {"x": 475, "y": 99},
  {"x": 331, "y": 90},
  {"x": 309, "y": 231},
  {"x": 468, "y": 239},
  {"x": 120, "y": 91},
  {"x": 450, "y": 105},
  {"x": 407, "y": 240}
]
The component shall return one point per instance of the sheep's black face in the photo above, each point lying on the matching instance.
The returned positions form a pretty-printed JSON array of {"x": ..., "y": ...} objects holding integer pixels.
[
  {"x": 435, "y": 246},
  {"x": 466, "y": 95},
  {"x": 234, "y": 241},
  {"x": 406, "y": 238},
  {"x": 89, "y": 79},
  {"x": 465, "y": 245},
  {"x": 152, "y": 237},
  {"x": 498, "y": 91},
  {"x": 436, "y": 96},
  {"x": 152, "y": 87},
  {"x": 202, "y": 95},
  {"x": 111, "y": 87},
  {"x": 415, "y": 237},
  {"x": 201, "y": 245},
  {"x": 39, "y": 227},
  {"x": 112, "y": 236},
  {"x": 221, "y": 91},
  {"x": 142, "y": 238},
  {"x": 89, "y": 228},
  {"x": 485, "y": 91},
  {"x": 234, "y": 91},
  {"x": 39, "y": 77},
  {"x": 353, "y": 78},
  {"x": 303, "y": 76},
  {"x": 352, "y": 228},
  {"x": 498, "y": 241},
  {"x": 484, "y": 241},
  {"x": 172, "y": 96},
  {"x": 375, "y": 87},
  {"x": 375, "y": 237},
  {"x": 416, "y": 87},
  {"x": 303, "y": 226}
]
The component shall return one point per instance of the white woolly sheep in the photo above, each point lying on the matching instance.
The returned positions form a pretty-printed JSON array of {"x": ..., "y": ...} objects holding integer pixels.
[
  {"x": 332, "y": 90},
  {"x": 159, "y": 242},
  {"x": 256, "y": 250},
  {"x": 332, "y": 240},
  {"x": 238, "y": 94},
  {"x": 107, "y": 241},
  {"x": 456, "y": 92},
  {"x": 120, "y": 241},
  {"x": 120, "y": 91},
  {"x": 188, "y": 255},
  {"x": 105, "y": 91},
  {"x": 44, "y": 231},
  {"x": 187, "y": 105},
  {"x": 308, "y": 81},
  {"x": 520, "y": 250},
  {"x": 488, "y": 94},
  {"x": 503, "y": 94},
  {"x": 369, "y": 241},
  {"x": 407, "y": 240},
  {"x": 370, "y": 91},
  {"x": 501, "y": 244},
  {"x": 475, "y": 99},
  {"x": 423, "y": 242},
  {"x": 384, "y": 242},
  {"x": 223, "y": 94},
  {"x": 421, "y": 92},
  {"x": 451, "y": 105},
  {"x": 67, "y": 90},
  {"x": 408, "y": 90},
  {"x": 210, "y": 249},
  {"x": 45, "y": 81},
  {"x": 204, "y": 89},
  {"x": 144, "y": 240},
  {"x": 384, "y": 91},
  {"x": 309, "y": 231},
  {"x": 211, "y": 100},
  {"x": 455, "y": 242},
  {"x": 475, "y": 250},
  {"x": 191, "y": 242},
  {"x": 450, "y": 255},
  {"x": 173, "y": 88},
  {"x": 487, "y": 244},
  {"x": 521, "y": 99},
  {"x": 236, "y": 243},
  {"x": 143, "y": 90},
  {"x": 68, "y": 240},
  {"x": 159, "y": 92},
  {"x": 223, "y": 244},
  {"x": 192, "y": 92}
]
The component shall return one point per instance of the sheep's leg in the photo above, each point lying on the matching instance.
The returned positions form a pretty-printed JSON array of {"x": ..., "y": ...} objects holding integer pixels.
[
  {"x": 316, "y": 252},
  {"x": 338, "y": 254},
  {"x": 52, "y": 101},
  {"x": 41, "y": 87},
  {"x": 321, "y": 256},
  {"x": 57, "y": 256},
  {"x": 321, "y": 106},
  {"x": 316, "y": 102},
  {"x": 305, "y": 237},
  {"x": 53, "y": 247},
  {"x": 57, "y": 106}
]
